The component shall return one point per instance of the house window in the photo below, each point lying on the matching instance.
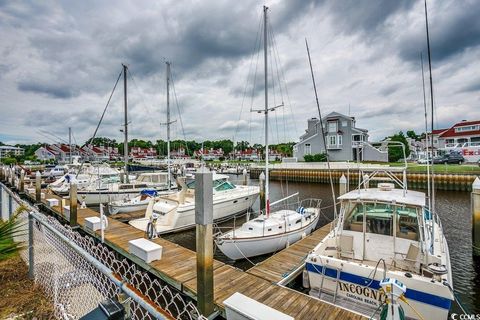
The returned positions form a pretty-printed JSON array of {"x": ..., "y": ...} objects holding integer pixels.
[
  {"x": 340, "y": 138},
  {"x": 466, "y": 128},
  {"x": 332, "y": 126},
  {"x": 332, "y": 140},
  {"x": 295, "y": 148},
  {"x": 308, "y": 149},
  {"x": 344, "y": 123}
]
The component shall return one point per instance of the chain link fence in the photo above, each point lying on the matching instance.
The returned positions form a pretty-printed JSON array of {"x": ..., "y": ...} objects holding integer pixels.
[{"x": 77, "y": 273}]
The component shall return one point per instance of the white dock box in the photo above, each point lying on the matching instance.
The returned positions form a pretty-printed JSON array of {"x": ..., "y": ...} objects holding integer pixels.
[
  {"x": 93, "y": 223},
  {"x": 66, "y": 212},
  {"x": 146, "y": 250},
  {"x": 240, "y": 307},
  {"x": 52, "y": 202},
  {"x": 31, "y": 190}
]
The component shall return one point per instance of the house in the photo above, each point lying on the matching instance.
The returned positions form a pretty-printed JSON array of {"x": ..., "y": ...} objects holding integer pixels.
[
  {"x": 143, "y": 153},
  {"x": 209, "y": 154},
  {"x": 180, "y": 153},
  {"x": 46, "y": 153},
  {"x": 7, "y": 151},
  {"x": 344, "y": 141},
  {"x": 100, "y": 153},
  {"x": 463, "y": 136},
  {"x": 249, "y": 154}
]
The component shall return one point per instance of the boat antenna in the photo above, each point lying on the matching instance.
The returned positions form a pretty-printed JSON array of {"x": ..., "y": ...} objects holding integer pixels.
[
  {"x": 125, "y": 130},
  {"x": 426, "y": 134},
  {"x": 323, "y": 134},
  {"x": 432, "y": 208}
]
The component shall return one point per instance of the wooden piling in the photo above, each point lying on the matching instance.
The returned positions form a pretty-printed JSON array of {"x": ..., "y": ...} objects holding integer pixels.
[
  {"x": 204, "y": 233},
  {"x": 475, "y": 202},
  {"x": 38, "y": 187},
  {"x": 73, "y": 205}
]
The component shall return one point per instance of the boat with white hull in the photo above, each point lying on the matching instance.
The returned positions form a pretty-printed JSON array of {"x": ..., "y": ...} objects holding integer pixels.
[
  {"x": 105, "y": 191},
  {"x": 176, "y": 211},
  {"x": 274, "y": 228},
  {"x": 267, "y": 234},
  {"x": 383, "y": 233},
  {"x": 140, "y": 202}
]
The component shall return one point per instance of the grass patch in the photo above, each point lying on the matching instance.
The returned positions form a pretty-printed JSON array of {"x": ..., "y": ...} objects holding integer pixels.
[{"x": 20, "y": 296}]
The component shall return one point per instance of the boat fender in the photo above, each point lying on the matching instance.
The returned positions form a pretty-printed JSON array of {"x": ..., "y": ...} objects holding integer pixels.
[{"x": 301, "y": 210}]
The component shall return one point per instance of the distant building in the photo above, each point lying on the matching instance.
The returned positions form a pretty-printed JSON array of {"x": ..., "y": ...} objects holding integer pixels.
[
  {"x": 344, "y": 141},
  {"x": 180, "y": 153},
  {"x": 209, "y": 154},
  {"x": 463, "y": 137},
  {"x": 7, "y": 151},
  {"x": 46, "y": 153},
  {"x": 143, "y": 153},
  {"x": 249, "y": 154}
]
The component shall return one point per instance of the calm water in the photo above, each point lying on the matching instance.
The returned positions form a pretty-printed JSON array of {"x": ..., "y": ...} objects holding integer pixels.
[{"x": 453, "y": 208}]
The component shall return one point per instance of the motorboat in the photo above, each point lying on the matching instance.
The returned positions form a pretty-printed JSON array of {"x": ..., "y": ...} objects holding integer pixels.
[
  {"x": 106, "y": 190},
  {"x": 176, "y": 211},
  {"x": 140, "y": 202},
  {"x": 380, "y": 234}
]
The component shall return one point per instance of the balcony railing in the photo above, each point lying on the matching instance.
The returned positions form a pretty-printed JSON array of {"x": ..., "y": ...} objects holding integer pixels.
[{"x": 334, "y": 146}]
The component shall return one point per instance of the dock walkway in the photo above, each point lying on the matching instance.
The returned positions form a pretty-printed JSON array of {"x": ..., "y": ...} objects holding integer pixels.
[{"x": 178, "y": 268}]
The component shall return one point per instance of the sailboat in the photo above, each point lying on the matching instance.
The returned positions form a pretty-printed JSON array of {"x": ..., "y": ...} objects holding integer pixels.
[
  {"x": 270, "y": 231},
  {"x": 106, "y": 190},
  {"x": 175, "y": 212}
]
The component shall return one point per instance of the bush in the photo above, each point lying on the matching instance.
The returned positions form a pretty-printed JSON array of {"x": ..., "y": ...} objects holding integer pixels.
[{"x": 319, "y": 157}]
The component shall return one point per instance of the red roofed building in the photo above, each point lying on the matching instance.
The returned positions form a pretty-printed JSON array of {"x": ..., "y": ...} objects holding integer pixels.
[
  {"x": 247, "y": 154},
  {"x": 212, "y": 154},
  {"x": 463, "y": 136},
  {"x": 143, "y": 153}
]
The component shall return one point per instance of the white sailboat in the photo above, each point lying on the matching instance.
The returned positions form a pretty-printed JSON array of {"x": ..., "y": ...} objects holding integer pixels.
[
  {"x": 270, "y": 231},
  {"x": 176, "y": 211}
]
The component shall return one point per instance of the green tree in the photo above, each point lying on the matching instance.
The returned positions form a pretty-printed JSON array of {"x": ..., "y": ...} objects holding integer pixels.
[
  {"x": 319, "y": 157},
  {"x": 395, "y": 153},
  {"x": 413, "y": 135}
]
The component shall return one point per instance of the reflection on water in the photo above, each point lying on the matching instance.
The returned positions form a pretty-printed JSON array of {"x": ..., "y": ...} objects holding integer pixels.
[{"x": 452, "y": 206}]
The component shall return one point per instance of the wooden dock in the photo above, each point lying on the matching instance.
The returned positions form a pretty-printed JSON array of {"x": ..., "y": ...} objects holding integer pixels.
[
  {"x": 280, "y": 265},
  {"x": 178, "y": 268}
]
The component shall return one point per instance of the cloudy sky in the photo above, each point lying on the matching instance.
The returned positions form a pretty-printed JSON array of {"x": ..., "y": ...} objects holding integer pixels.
[{"x": 60, "y": 61}]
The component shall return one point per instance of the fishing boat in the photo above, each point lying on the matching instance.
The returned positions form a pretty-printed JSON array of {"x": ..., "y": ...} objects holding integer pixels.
[
  {"x": 271, "y": 230},
  {"x": 383, "y": 233},
  {"x": 176, "y": 211},
  {"x": 140, "y": 202}
]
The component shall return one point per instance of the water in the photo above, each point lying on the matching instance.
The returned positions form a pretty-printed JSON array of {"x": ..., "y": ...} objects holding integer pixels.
[{"x": 453, "y": 208}]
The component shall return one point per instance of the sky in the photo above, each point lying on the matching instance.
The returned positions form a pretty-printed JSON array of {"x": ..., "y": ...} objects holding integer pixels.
[{"x": 60, "y": 61}]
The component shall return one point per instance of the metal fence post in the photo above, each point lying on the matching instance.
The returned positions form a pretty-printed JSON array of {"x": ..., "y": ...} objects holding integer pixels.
[
  {"x": 204, "y": 220},
  {"x": 31, "y": 263},
  {"x": 10, "y": 205}
]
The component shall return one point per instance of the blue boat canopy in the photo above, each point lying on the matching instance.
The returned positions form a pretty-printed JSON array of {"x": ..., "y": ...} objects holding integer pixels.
[{"x": 149, "y": 192}]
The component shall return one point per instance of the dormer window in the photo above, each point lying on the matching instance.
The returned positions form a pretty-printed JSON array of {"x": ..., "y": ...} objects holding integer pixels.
[{"x": 332, "y": 126}]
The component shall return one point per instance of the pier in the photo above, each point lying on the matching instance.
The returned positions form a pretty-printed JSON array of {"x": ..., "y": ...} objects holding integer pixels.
[{"x": 177, "y": 268}]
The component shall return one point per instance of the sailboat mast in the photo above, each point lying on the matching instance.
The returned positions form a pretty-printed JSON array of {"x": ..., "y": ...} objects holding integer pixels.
[
  {"x": 125, "y": 129},
  {"x": 426, "y": 134},
  {"x": 168, "y": 123},
  {"x": 432, "y": 208},
  {"x": 265, "y": 47}
]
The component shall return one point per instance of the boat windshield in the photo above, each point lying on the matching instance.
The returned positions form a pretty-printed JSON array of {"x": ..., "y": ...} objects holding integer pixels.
[
  {"x": 218, "y": 185},
  {"x": 378, "y": 218}
]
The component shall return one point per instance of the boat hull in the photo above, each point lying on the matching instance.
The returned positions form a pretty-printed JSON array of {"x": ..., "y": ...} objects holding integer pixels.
[
  {"x": 239, "y": 248},
  {"x": 185, "y": 217},
  {"x": 114, "y": 209},
  {"x": 96, "y": 197}
]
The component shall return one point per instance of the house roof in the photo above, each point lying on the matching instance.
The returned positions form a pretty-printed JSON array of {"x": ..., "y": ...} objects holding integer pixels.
[
  {"x": 452, "y": 133},
  {"x": 51, "y": 150},
  {"x": 337, "y": 115},
  {"x": 438, "y": 131}
]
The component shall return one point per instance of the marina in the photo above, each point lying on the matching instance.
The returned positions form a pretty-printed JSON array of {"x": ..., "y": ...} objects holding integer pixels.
[{"x": 309, "y": 160}]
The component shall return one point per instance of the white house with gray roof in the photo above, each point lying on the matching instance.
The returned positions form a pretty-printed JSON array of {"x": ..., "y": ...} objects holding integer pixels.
[{"x": 345, "y": 142}]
